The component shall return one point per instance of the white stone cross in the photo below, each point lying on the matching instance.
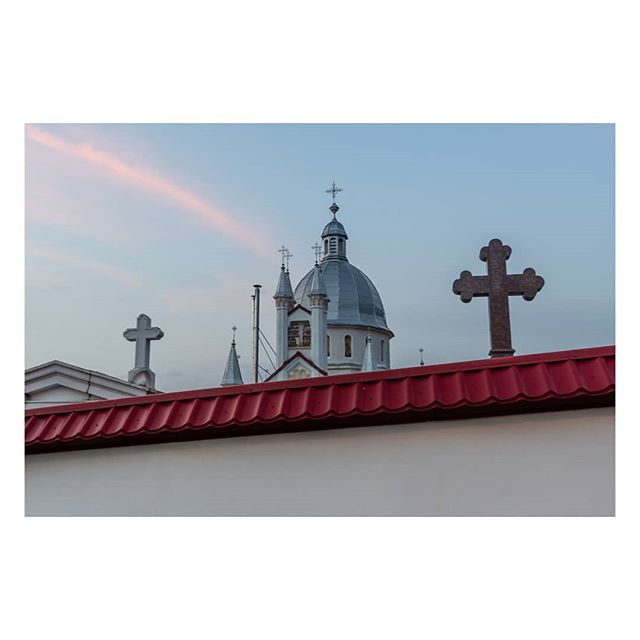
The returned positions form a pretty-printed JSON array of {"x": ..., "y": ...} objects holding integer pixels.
[{"x": 142, "y": 336}]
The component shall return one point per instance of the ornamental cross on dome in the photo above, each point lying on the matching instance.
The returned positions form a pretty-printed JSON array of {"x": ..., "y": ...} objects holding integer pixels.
[
  {"x": 498, "y": 285},
  {"x": 333, "y": 190}
]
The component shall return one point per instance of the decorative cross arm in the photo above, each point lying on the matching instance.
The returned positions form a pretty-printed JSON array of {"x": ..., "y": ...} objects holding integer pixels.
[
  {"x": 468, "y": 286},
  {"x": 527, "y": 284},
  {"x": 153, "y": 333},
  {"x": 495, "y": 252}
]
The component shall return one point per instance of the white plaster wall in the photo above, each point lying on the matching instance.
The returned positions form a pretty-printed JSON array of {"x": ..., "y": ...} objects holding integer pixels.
[
  {"x": 559, "y": 463},
  {"x": 358, "y": 343}
]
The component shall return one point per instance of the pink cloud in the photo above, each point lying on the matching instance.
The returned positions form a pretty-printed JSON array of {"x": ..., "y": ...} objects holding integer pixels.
[
  {"x": 38, "y": 276},
  {"x": 100, "y": 268},
  {"x": 144, "y": 179}
]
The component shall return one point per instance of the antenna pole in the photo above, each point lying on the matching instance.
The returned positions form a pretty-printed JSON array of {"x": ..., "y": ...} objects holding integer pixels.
[{"x": 256, "y": 329}]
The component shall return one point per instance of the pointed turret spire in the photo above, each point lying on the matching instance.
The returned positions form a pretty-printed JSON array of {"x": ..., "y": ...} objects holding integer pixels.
[
  {"x": 284, "y": 289},
  {"x": 368, "y": 363},
  {"x": 232, "y": 373},
  {"x": 317, "y": 283}
]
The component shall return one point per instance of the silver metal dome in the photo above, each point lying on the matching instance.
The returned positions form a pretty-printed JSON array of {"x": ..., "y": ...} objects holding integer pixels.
[
  {"x": 334, "y": 228},
  {"x": 353, "y": 298}
]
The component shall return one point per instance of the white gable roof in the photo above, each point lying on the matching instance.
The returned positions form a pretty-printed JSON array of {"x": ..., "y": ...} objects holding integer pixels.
[
  {"x": 299, "y": 313},
  {"x": 295, "y": 367},
  {"x": 58, "y": 382}
]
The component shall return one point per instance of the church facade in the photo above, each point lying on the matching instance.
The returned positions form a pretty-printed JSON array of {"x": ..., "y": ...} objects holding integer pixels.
[{"x": 334, "y": 321}]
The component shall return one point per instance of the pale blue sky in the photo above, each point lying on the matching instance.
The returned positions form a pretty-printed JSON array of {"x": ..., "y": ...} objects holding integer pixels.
[{"x": 124, "y": 219}]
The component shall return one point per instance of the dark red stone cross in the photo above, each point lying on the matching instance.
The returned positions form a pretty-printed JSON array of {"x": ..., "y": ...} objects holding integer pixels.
[{"x": 497, "y": 285}]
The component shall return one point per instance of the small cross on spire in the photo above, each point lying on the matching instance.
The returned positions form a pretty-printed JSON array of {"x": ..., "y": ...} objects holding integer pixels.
[
  {"x": 282, "y": 251},
  {"x": 333, "y": 190},
  {"x": 317, "y": 250},
  {"x": 234, "y": 329},
  {"x": 286, "y": 256}
]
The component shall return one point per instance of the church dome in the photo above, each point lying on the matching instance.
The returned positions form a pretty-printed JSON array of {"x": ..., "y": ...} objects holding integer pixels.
[
  {"x": 334, "y": 228},
  {"x": 353, "y": 298}
]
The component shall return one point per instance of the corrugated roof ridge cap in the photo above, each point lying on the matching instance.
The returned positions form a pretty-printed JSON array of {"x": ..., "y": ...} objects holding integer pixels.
[
  {"x": 121, "y": 417},
  {"x": 42, "y": 429},
  {"x": 588, "y": 383}
]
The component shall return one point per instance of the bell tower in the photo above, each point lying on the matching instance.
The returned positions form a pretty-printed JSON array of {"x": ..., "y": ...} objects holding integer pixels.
[{"x": 334, "y": 237}]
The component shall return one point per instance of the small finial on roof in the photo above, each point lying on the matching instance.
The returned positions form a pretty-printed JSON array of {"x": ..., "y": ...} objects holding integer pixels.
[
  {"x": 234, "y": 329},
  {"x": 232, "y": 374},
  {"x": 368, "y": 363},
  {"x": 421, "y": 350}
]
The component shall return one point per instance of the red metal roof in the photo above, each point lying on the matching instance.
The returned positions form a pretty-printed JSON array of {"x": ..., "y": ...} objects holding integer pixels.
[{"x": 540, "y": 382}]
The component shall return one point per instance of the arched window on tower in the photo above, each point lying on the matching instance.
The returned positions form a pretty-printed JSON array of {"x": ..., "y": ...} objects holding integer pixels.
[
  {"x": 326, "y": 247},
  {"x": 347, "y": 346},
  {"x": 306, "y": 334},
  {"x": 328, "y": 346},
  {"x": 332, "y": 245},
  {"x": 340, "y": 246},
  {"x": 382, "y": 350}
]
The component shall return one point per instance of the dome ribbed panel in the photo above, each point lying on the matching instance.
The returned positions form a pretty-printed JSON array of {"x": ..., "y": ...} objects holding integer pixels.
[
  {"x": 353, "y": 298},
  {"x": 334, "y": 228}
]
